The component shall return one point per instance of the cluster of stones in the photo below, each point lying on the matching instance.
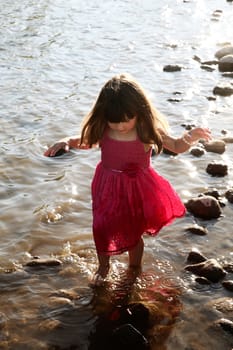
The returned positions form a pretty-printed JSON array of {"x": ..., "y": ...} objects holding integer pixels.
[
  {"x": 208, "y": 206},
  {"x": 211, "y": 271},
  {"x": 225, "y": 66},
  {"x": 223, "y": 60}
]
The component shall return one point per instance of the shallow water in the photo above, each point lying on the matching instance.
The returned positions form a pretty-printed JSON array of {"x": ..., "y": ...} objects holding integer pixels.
[{"x": 55, "y": 56}]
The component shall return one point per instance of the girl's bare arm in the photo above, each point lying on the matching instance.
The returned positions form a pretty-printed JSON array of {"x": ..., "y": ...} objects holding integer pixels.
[
  {"x": 182, "y": 144},
  {"x": 64, "y": 145}
]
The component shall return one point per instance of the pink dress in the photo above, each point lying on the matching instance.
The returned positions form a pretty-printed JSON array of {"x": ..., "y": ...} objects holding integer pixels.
[{"x": 129, "y": 197}]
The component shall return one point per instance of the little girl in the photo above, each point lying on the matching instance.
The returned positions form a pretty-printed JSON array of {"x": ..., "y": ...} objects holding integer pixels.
[{"x": 129, "y": 197}]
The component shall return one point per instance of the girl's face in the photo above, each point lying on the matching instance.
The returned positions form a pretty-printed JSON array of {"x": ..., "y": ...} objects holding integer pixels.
[{"x": 123, "y": 127}]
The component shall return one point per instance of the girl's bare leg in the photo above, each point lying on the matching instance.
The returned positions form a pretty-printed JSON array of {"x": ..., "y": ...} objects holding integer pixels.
[
  {"x": 102, "y": 270},
  {"x": 135, "y": 255},
  {"x": 103, "y": 265}
]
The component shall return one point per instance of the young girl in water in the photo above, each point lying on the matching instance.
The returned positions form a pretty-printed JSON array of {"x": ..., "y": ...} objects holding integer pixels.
[{"x": 129, "y": 198}]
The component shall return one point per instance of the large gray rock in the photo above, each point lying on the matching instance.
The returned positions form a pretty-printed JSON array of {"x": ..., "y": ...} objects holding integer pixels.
[
  {"x": 226, "y": 64},
  {"x": 224, "y": 51}
]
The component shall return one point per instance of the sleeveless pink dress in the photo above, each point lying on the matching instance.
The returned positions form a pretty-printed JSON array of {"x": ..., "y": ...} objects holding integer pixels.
[{"x": 129, "y": 197}]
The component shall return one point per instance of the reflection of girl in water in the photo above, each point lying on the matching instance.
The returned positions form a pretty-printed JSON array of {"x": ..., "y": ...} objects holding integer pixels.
[{"x": 130, "y": 317}]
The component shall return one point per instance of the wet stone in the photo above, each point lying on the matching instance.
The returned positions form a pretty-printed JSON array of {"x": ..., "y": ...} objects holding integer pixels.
[
  {"x": 226, "y": 63},
  {"x": 197, "y": 230},
  {"x": 128, "y": 337},
  {"x": 224, "y": 51},
  {"x": 226, "y": 90},
  {"x": 228, "y": 285},
  {"x": 228, "y": 139},
  {"x": 209, "y": 269},
  {"x": 197, "y": 151},
  {"x": 226, "y": 325},
  {"x": 38, "y": 263},
  {"x": 228, "y": 267},
  {"x": 195, "y": 256},
  {"x": 205, "y": 207},
  {"x": 65, "y": 293},
  {"x": 3, "y": 321},
  {"x": 229, "y": 195},
  {"x": 171, "y": 68},
  {"x": 223, "y": 305},
  {"x": 213, "y": 193},
  {"x": 217, "y": 169},
  {"x": 215, "y": 146},
  {"x": 202, "y": 280}
]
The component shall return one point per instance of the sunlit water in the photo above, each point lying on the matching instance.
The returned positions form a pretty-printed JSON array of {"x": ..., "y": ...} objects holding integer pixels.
[{"x": 55, "y": 57}]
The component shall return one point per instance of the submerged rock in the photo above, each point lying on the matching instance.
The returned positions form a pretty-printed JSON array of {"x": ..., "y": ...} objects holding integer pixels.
[
  {"x": 47, "y": 262},
  {"x": 202, "y": 280},
  {"x": 223, "y": 305},
  {"x": 65, "y": 293},
  {"x": 49, "y": 325},
  {"x": 3, "y": 321},
  {"x": 226, "y": 325},
  {"x": 128, "y": 337}
]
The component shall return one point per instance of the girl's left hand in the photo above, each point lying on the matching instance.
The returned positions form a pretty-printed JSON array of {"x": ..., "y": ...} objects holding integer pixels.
[{"x": 200, "y": 133}]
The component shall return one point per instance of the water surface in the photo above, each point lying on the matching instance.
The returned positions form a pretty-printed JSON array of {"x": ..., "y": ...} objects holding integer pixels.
[{"x": 55, "y": 57}]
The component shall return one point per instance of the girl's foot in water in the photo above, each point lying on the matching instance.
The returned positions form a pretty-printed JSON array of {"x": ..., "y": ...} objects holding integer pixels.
[{"x": 100, "y": 275}]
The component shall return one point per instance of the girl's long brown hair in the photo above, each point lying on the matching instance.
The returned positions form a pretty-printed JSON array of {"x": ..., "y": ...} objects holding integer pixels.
[{"x": 121, "y": 99}]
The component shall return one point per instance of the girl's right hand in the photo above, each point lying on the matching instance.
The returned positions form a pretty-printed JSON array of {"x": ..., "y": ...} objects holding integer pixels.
[{"x": 57, "y": 149}]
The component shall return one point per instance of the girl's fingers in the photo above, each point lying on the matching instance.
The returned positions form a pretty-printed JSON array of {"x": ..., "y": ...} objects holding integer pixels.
[{"x": 57, "y": 150}]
